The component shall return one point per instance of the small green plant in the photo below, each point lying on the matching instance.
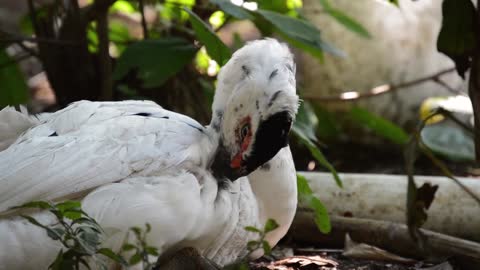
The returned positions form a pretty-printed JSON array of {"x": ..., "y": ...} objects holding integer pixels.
[
  {"x": 79, "y": 234},
  {"x": 141, "y": 248},
  {"x": 253, "y": 245}
]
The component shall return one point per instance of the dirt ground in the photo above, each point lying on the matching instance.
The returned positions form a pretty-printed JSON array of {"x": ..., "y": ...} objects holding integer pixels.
[{"x": 328, "y": 259}]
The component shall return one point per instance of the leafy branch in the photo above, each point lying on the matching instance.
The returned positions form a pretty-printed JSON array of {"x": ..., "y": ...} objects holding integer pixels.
[{"x": 79, "y": 234}]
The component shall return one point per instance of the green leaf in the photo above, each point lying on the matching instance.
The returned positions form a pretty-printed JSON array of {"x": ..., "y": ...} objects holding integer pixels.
[
  {"x": 299, "y": 33},
  {"x": 346, "y": 21},
  {"x": 56, "y": 233},
  {"x": 14, "y": 90},
  {"x": 57, "y": 263},
  {"x": 152, "y": 251},
  {"x": 135, "y": 259},
  {"x": 72, "y": 214},
  {"x": 215, "y": 47},
  {"x": 317, "y": 154},
  {"x": 233, "y": 10},
  {"x": 137, "y": 231},
  {"x": 154, "y": 61},
  {"x": 266, "y": 247},
  {"x": 88, "y": 239},
  {"x": 123, "y": 7},
  {"x": 35, "y": 204},
  {"x": 393, "y": 2},
  {"x": 305, "y": 194},
  {"x": 379, "y": 125},
  {"x": 449, "y": 141},
  {"x": 457, "y": 35},
  {"x": 68, "y": 205},
  {"x": 112, "y": 255},
  {"x": 270, "y": 225},
  {"x": 252, "y": 229},
  {"x": 306, "y": 122},
  {"x": 128, "y": 247},
  {"x": 148, "y": 228},
  {"x": 252, "y": 245}
]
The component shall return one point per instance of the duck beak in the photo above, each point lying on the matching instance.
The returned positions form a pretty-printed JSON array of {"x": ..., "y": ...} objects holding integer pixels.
[{"x": 271, "y": 136}]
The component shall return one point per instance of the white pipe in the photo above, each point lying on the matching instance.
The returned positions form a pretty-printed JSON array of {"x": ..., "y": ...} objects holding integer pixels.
[{"x": 383, "y": 197}]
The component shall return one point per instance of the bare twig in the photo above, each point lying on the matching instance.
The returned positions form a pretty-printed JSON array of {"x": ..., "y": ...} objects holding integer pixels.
[
  {"x": 448, "y": 87},
  {"x": 144, "y": 21},
  {"x": 379, "y": 90}
]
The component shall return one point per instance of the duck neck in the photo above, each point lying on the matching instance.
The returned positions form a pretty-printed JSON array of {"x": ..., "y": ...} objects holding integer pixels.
[{"x": 275, "y": 188}]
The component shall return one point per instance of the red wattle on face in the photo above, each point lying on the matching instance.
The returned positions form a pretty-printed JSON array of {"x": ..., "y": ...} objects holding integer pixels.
[{"x": 237, "y": 159}]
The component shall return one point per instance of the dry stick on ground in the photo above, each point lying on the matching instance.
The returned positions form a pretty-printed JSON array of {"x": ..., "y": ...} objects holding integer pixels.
[
  {"x": 391, "y": 236},
  {"x": 379, "y": 90}
]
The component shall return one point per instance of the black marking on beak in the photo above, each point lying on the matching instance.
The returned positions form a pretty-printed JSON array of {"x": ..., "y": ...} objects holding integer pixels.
[{"x": 271, "y": 136}]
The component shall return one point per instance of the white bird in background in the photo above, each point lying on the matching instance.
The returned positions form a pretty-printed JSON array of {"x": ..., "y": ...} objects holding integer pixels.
[{"x": 133, "y": 163}]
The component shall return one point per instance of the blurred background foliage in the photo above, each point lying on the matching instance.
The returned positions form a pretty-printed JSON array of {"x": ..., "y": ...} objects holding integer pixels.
[{"x": 170, "y": 51}]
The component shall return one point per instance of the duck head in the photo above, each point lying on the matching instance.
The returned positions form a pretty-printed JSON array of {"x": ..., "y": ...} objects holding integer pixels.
[{"x": 254, "y": 107}]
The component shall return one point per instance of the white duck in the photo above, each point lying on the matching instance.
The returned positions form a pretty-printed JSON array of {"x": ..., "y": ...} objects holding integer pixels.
[{"x": 133, "y": 162}]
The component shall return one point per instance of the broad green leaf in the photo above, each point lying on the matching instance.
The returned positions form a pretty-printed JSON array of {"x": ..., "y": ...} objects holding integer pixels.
[
  {"x": 270, "y": 225},
  {"x": 35, "y": 204},
  {"x": 128, "y": 247},
  {"x": 252, "y": 229},
  {"x": 305, "y": 194},
  {"x": 317, "y": 154},
  {"x": 449, "y": 141},
  {"x": 457, "y": 35},
  {"x": 56, "y": 233},
  {"x": 344, "y": 19},
  {"x": 267, "y": 249},
  {"x": 154, "y": 61},
  {"x": 118, "y": 34},
  {"x": 136, "y": 258},
  {"x": 123, "y": 6},
  {"x": 215, "y": 47},
  {"x": 73, "y": 214},
  {"x": 299, "y": 33},
  {"x": 14, "y": 90},
  {"x": 152, "y": 251},
  {"x": 68, "y": 205},
  {"x": 394, "y": 2},
  {"x": 306, "y": 121},
  {"x": 379, "y": 125},
  {"x": 251, "y": 245},
  {"x": 112, "y": 255},
  {"x": 233, "y": 10}
]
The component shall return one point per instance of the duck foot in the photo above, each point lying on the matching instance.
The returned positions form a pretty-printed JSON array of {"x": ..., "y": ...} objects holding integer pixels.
[{"x": 185, "y": 259}]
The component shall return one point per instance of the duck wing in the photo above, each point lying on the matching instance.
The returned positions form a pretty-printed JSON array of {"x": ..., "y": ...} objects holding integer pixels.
[{"x": 89, "y": 144}]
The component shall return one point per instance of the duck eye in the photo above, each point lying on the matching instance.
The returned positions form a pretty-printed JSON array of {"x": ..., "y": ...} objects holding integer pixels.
[{"x": 244, "y": 131}]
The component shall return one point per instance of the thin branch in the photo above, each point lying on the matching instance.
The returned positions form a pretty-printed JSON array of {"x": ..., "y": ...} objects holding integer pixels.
[
  {"x": 379, "y": 90},
  {"x": 144, "y": 21},
  {"x": 448, "y": 87}
]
